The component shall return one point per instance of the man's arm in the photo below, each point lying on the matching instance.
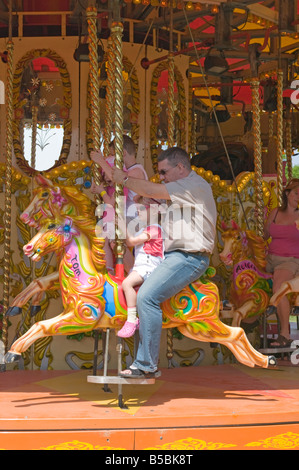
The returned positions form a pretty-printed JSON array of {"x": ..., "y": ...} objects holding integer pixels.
[{"x": 141, "y": 187}]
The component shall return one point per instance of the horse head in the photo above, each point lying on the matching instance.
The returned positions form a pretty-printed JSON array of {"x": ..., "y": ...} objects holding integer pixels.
[
  {"x": 49, "y": 198},
  {"x": 235, "y": 244},
  {"x": 53, "y": 235},
  {"x": 46, "y": 196},
  {"x": 242, "y": 244}
]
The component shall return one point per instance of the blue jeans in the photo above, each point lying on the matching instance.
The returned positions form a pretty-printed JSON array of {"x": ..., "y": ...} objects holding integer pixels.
[{"x": 176, "y": 271}]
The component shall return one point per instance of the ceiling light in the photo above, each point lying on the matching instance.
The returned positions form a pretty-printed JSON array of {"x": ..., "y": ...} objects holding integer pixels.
[
  {"x": 215, "y": 64},
  {"x": 81, "y": 54}
]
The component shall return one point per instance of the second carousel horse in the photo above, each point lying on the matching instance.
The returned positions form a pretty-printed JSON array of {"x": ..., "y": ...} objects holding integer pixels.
[{"x": 251, "y": 284}]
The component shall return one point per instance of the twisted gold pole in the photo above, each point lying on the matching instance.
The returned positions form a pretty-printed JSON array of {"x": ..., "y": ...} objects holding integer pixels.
[
  {"x": 117, "y": 30},
  {"x": 109, "y": 95},
  {"x": 279, "y": 136},
  {"x": 8, "y": 187},
  {"x": 171, "y": 84},
  {"x": 288, "y": 134},
  {"x": 33, "y": 136},
  {"x": 91, "y": 14},
  {"x": 171, "y": 140},
  {"x": 171, "y": 101},
  {"x": 257, "y": 156}
]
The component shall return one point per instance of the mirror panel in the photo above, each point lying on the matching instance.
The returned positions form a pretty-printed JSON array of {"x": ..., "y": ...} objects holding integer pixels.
[{"x": 42, "y": 101}]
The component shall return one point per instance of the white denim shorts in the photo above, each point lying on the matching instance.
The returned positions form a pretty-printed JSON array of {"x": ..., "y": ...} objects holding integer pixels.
[{"x": 275, "y": 262}]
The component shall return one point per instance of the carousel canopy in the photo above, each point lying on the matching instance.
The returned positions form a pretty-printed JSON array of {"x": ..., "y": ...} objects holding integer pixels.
[{"x": 227, "y": 42}]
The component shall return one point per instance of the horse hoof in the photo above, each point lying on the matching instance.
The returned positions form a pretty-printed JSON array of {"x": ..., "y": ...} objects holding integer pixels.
[
  {"x": 271, "y": 361},
  {"x": 34, "y": 310},
  {"x": 11, "y": 357},
  {"x": 12, "y": 311},
  {"x": 270, "y": 310}
]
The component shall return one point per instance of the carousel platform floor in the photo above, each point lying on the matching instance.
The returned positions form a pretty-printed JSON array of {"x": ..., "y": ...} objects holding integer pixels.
[{"x": 201, "y": 408}]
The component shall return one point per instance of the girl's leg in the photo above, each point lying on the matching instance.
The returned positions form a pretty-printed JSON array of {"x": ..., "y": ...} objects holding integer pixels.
[
  {"x": 134, "y": 279},
  {"x": 108, "y": 256}
]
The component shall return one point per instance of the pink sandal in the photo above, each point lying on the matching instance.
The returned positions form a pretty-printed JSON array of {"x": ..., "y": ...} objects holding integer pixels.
[{"x": 128, "y": 329}]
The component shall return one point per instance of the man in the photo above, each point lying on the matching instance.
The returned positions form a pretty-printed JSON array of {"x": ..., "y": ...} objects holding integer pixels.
[{"x": 190, "y": 204}]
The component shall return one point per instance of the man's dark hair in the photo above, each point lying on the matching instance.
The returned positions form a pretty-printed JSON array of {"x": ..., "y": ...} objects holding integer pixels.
[{"x": 175, "y": 155}]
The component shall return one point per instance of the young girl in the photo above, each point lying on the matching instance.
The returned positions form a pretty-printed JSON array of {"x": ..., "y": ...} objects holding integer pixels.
[{"x": 149, "y": 252}]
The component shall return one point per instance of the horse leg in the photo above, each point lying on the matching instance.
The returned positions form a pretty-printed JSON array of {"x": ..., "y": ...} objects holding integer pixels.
[
  {"x": 35, "y": 288},
  {"x": 237, "y": 341},
  {"x": 51, "y": 327},
  {"x": 285, "y": 288},
  {"x": 240, "y": 313}
]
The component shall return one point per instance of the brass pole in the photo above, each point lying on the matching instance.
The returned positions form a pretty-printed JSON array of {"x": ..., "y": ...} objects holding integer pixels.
[
  {"x": 8, "y": 178},
  {"x": 288, "y": 134},
  {"x": 257, "y": 156},
  {"x": 279, "y": 136},
  {"x": 171, "y": 86},
  {"x": 109, "y": 95},
  {"x": 91, "y": 14},
  {"x": 117, "y": 30},
  {"x": 33, "y": 136}
]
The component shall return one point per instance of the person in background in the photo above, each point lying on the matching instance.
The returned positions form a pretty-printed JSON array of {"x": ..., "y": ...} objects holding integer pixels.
[{"x": 283, "y": 253}]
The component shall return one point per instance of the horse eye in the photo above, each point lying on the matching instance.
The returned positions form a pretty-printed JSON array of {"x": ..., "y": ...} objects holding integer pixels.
[
  {"x": 51, "y": 226},
  {"x": 45, "y": 194}
]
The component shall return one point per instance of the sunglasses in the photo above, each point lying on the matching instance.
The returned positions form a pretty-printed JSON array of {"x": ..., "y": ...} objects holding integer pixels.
[{"x": 163, "y": 172}]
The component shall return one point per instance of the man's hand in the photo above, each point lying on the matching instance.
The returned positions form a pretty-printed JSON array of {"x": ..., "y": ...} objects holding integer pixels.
[
  {"x": 118, "y": 175},
  {"x": 97, "y": 156}
]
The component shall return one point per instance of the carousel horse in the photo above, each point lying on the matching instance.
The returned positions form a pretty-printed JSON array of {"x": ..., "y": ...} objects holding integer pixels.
[
  {"x": 48, "y": 198},
  {"x": 93, "y": 300},
  {"x": 251, "y": 285}
]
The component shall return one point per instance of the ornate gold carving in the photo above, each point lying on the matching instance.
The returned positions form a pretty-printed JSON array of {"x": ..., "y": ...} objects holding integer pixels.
[
  {"x": 78, "y": 445},
  {"x": 192, "y": 444},
  {"x": 285, "y": 441}
]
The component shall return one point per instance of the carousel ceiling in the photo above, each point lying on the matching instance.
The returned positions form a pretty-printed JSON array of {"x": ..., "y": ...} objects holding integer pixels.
[{"x": 228, "y": 42}]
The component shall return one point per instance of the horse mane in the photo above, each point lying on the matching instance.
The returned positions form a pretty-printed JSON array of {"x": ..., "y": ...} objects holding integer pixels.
[
  {"x": 87, "y": 226},
  {"x": 257, "y": 246},
  {"x": 85, "y": 206}
]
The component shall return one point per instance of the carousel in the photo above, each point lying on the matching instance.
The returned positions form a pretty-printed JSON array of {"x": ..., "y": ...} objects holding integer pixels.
[{"x": 216, "y": 78}]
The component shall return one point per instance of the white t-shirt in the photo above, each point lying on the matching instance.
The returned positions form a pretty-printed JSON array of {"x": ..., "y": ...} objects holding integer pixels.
[
  {"x": 190, "y": 220},
  {"x": 131, "y": 206}
]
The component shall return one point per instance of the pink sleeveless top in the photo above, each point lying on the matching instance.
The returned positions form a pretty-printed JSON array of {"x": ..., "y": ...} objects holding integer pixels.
[{"x": 285, "y": 240}]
